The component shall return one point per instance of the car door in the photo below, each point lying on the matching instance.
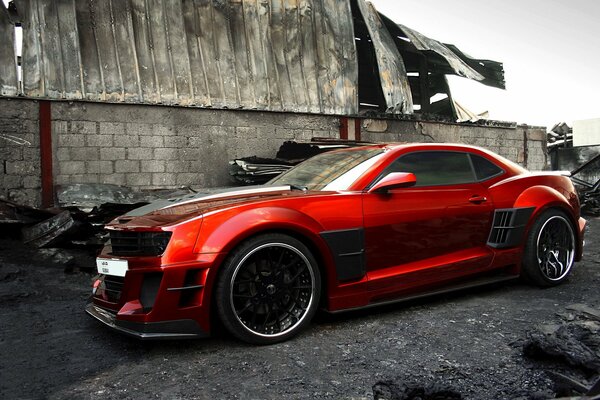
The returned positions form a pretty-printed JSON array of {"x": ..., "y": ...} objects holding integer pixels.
[{"x": 432, "y": 232}]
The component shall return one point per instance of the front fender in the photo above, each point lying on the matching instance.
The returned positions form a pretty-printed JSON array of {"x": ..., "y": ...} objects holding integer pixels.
[{"x": 222, "y": 231}]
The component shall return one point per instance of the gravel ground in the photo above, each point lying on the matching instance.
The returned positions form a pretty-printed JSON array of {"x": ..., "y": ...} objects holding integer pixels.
[{"x": 471, "y": 341}]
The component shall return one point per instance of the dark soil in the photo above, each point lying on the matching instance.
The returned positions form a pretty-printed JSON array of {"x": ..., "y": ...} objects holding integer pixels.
[{"x": 468, "y": 343}]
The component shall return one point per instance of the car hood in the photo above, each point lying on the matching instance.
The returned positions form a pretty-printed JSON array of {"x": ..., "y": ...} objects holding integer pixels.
[{"x": 168, "y": 211}]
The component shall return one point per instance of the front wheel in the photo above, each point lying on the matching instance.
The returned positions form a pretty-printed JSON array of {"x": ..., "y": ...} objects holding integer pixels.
[
  {"x": 550, "y": 249},
  {"x": 268, "y": 289}
]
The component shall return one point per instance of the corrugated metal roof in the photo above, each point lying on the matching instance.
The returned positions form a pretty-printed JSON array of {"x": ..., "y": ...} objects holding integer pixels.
[
  {"x": 278, "y": 55},
  {"x": 392, "y": 73},
  {"x": 8, "y": 62}
]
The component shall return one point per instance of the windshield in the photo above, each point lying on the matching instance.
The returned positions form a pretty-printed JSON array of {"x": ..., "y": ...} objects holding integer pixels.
[{"x": 330, "y": 171}]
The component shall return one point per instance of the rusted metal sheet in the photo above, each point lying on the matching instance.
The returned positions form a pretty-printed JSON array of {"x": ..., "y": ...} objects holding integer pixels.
[
  {"x": 278, "y": 55},
  {"x": 484, "y": 71},
  {"x": 392, "y": 73},
  {"x": 8, "y": 61}
]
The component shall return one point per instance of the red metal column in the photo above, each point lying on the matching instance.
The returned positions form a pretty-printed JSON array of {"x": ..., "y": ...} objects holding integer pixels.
[
  {"x": 46, "y": 153},
  {"x": 344, "y": 128}
]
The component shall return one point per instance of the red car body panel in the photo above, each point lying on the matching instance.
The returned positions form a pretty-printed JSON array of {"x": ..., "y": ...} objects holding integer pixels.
[{"x": 416, "y": 239}]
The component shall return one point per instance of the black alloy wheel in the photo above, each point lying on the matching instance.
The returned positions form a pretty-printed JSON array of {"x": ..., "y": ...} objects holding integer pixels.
[
  {"x": 550, "y": 249},
  {"x": 269, "y": 289}
]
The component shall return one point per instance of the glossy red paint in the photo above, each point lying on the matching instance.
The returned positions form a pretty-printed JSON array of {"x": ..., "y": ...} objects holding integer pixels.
[{"x": 416, "y": 239}]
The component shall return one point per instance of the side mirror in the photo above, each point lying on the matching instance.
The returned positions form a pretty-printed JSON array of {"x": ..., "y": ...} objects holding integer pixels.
[{"x": 394, "y": 180}]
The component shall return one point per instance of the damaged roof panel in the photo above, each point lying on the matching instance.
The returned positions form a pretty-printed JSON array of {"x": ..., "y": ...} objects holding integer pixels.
[
  {"x": 275, "y": 55},
  {"x": 278, "y": 55},
  {"x": 8, "y": 62},
  {"x": 484, "y": 71},
  {"x": 392, "y": 72}
]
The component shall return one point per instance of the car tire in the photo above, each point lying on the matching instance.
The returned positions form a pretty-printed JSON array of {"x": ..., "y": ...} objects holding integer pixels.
[
  {"x": 268, "y": 289},
  {"x": 549, "y": 250}
]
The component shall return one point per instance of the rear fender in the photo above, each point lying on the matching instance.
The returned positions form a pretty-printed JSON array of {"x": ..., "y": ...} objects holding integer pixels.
[{"x": 543, "y": 198}]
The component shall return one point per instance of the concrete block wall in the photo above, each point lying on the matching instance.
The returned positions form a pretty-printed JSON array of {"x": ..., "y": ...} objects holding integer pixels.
[
  {"x": 20, "y": 175},
  {"x": 522, "y": 144},
  {"x": 148, "y": 147}
]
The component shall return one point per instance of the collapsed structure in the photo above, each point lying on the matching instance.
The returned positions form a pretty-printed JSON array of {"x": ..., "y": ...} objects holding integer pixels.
[
  {"x": 311, "y": 56},
  {"x": 154, "y": 94}
]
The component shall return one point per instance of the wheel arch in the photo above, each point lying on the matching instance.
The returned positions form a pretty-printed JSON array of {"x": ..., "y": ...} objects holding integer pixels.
[
  {"x": 545, "y": 198},
  {"x": 244, "y": 226}
]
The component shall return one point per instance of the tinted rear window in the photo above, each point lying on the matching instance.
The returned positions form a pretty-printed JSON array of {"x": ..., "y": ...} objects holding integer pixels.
[{"x": 484, "y": 169}]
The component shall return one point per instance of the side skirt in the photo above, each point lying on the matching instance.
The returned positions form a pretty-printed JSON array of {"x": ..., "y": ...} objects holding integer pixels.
[{"x": 447, "y": 289}]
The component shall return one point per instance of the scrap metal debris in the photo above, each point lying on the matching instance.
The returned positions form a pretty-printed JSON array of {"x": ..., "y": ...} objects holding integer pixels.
[
  {"x": 561, "y": 135},
  {"x": 256, "y": 170},
  {"x": 587, "y": 180},
  {"x": 50, "y": 231}
]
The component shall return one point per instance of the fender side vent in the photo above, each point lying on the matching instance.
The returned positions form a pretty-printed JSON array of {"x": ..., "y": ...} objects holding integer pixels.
[{"x": 508, "y": 227}]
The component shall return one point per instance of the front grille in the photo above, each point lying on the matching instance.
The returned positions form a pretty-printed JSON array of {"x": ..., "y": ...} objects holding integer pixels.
[
  {"x": 113, "y": 286},
  {"x": 138, "y": 243}
]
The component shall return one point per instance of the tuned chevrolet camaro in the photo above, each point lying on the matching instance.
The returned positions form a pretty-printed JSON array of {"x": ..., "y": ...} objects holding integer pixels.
[{"x": 343, "y": 230}]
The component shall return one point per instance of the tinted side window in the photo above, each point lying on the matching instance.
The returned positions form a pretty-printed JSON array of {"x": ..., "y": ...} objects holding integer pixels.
[
  {"x": 484, "y": 169},
  {"x": 436, "y": 167}
]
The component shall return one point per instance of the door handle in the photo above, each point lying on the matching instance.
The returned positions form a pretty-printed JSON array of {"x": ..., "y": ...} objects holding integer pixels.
[{"x": 476, "y": 199}]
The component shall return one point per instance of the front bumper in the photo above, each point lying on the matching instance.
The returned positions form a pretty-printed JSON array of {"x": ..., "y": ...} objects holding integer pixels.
[{"x": 176, "y": 329}]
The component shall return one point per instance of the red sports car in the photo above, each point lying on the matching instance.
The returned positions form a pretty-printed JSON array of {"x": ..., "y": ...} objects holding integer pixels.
[{"x": 344, "y": 230}]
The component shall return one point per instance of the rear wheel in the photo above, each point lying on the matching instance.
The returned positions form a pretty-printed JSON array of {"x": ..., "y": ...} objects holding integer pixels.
[
  {"x": 550, "y": 249},
  {"x": 268, "y": 289}
]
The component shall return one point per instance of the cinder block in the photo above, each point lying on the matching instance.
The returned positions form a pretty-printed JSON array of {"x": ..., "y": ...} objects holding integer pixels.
[
  {"x": 31, "y": 182},
  {"x": 11, "y": 154},
  {"x": 71, "y": 167},
  {"x": 72, "y": 140},
  {"x": 127, "y": 140},
  {"x": 85, "y": 154},
  {"x": 177, "y": 166},
  {"x": 83, "y": 127},
  {"x": 175, "y": 141},
  {"x": 60, "y": 127},
  {"x": 127, "y": 166},
  {"x": 112, "y": 128},
  {"x": 31, "y": 154},
  {"x": 151, "y": 141},
  {"x": 160, "y": 130},
  {"x": 161, "y": 179},
  {"x": 140, "y": 179},
  {"x": 21, "y": 167},
  {"x": 99, "y": 167},
  {"x": 188, "y": 179},
  {"x": 30, "y": 197},
  {"x": 11, "y": 181},
  {"x": 137, "y": 129},
  {"x": 536, "y": 134},
  {"x": 139, "y": 153},
  {"x": 63, "y": 154},
  {"x": 100, "y": 141},
  {"x": 152, "y": 166},
  {"x": 166, "y": 154},
  {"x": 115, "y": 153},
  {"x": 114, "y": 179}
]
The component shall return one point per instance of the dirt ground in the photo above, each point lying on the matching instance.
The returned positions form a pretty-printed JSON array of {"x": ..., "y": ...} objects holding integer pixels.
[{"x": 471, "y": 341}]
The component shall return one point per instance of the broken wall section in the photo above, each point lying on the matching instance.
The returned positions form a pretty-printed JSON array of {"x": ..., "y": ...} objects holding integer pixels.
[
  {"x": 523, "y": 144},
  {"x": 20, "y": 151}
]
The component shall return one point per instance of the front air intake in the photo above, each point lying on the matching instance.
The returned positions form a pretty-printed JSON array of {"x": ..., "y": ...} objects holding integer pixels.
[{"x": 131, "y": 244}]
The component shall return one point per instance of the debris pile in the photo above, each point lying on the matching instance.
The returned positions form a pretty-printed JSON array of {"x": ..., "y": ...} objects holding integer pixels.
[
  {"x": 561, "y": 135},
  {"x": 79, "y": 219},
  {"x": 256, "y": 170},
  {"x": 587, "y": 180},
  {"x": 570, "y": 351}
]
